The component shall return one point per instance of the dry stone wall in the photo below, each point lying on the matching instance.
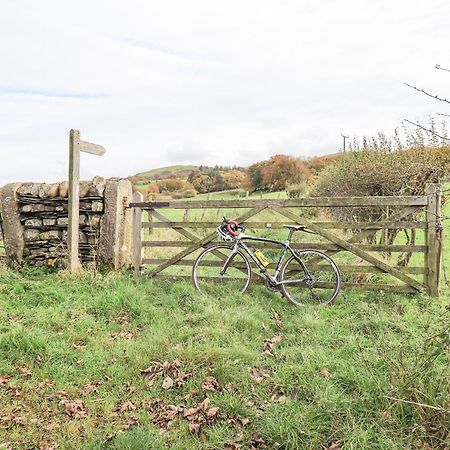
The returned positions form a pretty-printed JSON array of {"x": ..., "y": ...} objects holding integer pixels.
[{"x": 35, "y": 222}]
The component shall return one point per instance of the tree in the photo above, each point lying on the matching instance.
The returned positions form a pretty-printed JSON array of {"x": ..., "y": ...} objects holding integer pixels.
[
  {"x": 203, "y": 183},
  {"x": 234, "y": 179},
  {"x": 283, "y": 169}
]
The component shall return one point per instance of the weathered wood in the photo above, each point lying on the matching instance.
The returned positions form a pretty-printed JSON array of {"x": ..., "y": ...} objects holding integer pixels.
[
  {"x": 352, "y": 248},
  {"x": 94, "y": 149},
  {"x": 401, "y": 288},
  {"x": 297, "y": 202},
  {"x": 347, "y": 268},
  {"x": 137, "y": 235},
  {"x": 433, "y": 239},
  {"x": 279, "y": 225},
  {"x": 74, "y": 201},
  {"x": 303, "y": 246},
  {"x": 191, "y": 236},
  {"x": 201, "y": 243}
]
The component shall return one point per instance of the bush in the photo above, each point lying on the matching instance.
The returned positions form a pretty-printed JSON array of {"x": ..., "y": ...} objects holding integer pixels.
[
  {"x": 170, "y": 185},
  {"x": 376, "y": 173},
  {"x": 296, "y": 190}
]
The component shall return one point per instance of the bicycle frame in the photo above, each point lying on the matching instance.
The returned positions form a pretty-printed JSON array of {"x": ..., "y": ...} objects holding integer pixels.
[{"x": 239, "y": 244}]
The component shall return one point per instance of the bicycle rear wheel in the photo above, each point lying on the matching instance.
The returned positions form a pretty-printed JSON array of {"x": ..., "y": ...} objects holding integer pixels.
[
  {"x": 206, "y": 273},
  {"x": 318, "y": 284}
]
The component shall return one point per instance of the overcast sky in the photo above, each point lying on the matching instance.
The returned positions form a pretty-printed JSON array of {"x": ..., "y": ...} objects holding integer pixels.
[{"x": 230, "y": 82}]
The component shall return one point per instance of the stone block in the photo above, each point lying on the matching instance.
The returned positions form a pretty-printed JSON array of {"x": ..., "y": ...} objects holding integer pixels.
[
  {"x": 97, "y": 187},
  {"x": 64, "y": 189},
  {"x": 31, "y": 235},
  {"x": 48, "y": 222},
  {"x": 32, "y": 223},
  {"x": 50, "y": 235},
  {"x": 97, "y": 206},
  {"x": 63, "y": 221}
]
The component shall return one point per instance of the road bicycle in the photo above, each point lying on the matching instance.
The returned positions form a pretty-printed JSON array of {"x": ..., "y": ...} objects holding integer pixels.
[{"x": 306, "y": 277}]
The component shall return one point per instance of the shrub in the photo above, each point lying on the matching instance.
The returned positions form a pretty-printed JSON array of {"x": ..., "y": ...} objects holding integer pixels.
[
  {"x": 296, "y": 190},
  {"x": 170, "y": 185},
  {"x": 275, "y": 173}
]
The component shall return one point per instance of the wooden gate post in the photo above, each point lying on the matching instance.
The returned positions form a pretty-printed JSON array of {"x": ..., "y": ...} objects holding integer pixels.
[
  {"x": 433, "y": 239},
  {"x": 138, "y": 232}
]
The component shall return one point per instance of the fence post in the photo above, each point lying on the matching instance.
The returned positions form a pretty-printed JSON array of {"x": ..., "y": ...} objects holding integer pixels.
[
  {"x": 137, "y": 234},
  {"x": 433, "y": 238}
]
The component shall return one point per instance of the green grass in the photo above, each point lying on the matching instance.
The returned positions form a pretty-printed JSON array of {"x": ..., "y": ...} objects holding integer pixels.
[{"x": 59, "y": 334}]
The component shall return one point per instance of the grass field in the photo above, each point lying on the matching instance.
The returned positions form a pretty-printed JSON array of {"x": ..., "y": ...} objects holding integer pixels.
[{"x": 105, "y": 361}]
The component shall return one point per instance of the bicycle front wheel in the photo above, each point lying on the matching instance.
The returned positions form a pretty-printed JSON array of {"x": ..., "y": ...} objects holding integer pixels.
[
  {"x": 316, "y": 282},
  {"x": 210, "y": 275}
]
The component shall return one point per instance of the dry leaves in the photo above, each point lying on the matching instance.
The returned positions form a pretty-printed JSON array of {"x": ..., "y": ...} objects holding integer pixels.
[
  {"x": 324, "y": 373},
  {"x": 74, "y": 409},
  {"x": 259, "y": 374},
  {"x": 277, "y": 319},
  {"x": 268, "y": 345},
  {"x": 88, "y": 388},
  {"x": 172, "y": 372},
  {"x": 200, "y": 415},
  {"x": 167, "y": 383},
  {"x": 336, "y": 445},
  {"x": 211, "y": 384}
]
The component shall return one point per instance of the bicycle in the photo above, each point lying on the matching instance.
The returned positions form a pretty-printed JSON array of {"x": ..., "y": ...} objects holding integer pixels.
[{"x": 307, "y": 276}]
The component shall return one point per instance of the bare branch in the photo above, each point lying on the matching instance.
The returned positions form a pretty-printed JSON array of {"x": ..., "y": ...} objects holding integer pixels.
[
  {"x": 439, "y": 67},
  {"x": 429, "y": 95},
  {"x": 428, "y": 130},
  {"x": 443, "y": 114}
]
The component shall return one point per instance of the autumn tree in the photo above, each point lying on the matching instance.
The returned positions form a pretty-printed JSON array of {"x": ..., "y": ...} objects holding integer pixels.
[
  {"x": 234, "y": 179},
  {"x": 275, "y": 173}
]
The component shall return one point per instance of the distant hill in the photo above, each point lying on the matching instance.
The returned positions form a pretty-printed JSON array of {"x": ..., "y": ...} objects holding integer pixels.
[{"x": 181, "y": 171}]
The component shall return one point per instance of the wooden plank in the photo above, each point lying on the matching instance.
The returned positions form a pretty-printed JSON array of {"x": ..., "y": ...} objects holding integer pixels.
[
  {"x": 303, "y": 246},
  {"x": 347, "y": 268},
  {"x": 138, "y": 235},
  {"x": 190, "y": 235},
  {"x": 88, "y": 147},
  {"x": 279, "y": 225},
  {"x": 200, "y": 243},
  {"x": 433, "y": 239},
  {"x": 401, "y": 288},
  {"x": 298, "y": 202},
  {"x": 352, "y": 248},
  {"x": 73, "y": 263}
]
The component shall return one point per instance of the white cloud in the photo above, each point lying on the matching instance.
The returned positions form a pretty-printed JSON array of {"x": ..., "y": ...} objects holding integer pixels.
[{"x": 206, "y": 81}]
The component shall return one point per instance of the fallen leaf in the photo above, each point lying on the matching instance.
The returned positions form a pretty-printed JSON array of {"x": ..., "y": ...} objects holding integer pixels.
[
  {"x": 277, "y": 319},
  {"x": 212, "y": 411},
  {"x": 259, "y": 374},
  {"x": 194, "y": 427},
  {"x": 88, "y": 388},
  {"x": 167, "y": 383},
  {"x": 127, "y": 406},
  {"x": 74, "y": 409},
  {"x": 24, "y": 370},
  {"x": 324, "y": 373},
  {"x": 211, "y": 384},
  {"x": 79, "y": 346}
]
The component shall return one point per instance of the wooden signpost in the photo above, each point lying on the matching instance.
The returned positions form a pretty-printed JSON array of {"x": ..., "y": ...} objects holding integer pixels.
[{"x": 75, "y": 147}]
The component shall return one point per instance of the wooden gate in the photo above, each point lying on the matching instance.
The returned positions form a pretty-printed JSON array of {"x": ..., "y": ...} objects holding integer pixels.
[{"x": 363, "y": 250}]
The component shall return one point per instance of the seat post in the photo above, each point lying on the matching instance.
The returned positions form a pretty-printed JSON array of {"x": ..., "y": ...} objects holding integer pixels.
[{"x": 291, "y": 232}]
